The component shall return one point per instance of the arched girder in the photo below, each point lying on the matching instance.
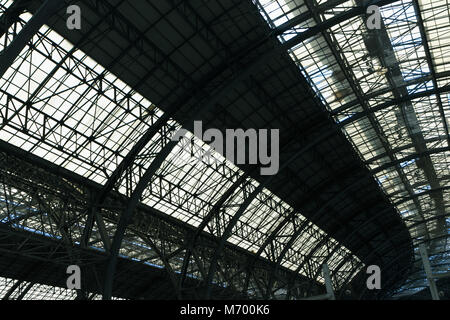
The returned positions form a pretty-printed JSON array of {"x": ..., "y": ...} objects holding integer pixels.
[
  {"x": 436, "y": 217},
  {"x": 43, "y": 14},
  {"x": 390, "y": 103},
  {"x": 129, "y": 158},
  {"x": 243, "y": 207},
  {"x": 402, "y": 148},
  {"x": 211, "y": 214},
  {"x": 425, "y": 241},
  {"x": 58, "y": 65},
  {"x": 382, "y": 212},
  {"x": 414, "y": 156},
  {"x": 214, "y": 211},
  {"x": 395, "y": 275},
  {"x": 155, "y": 128},
  {"x": 364, "y": 224},
  {"x": 286, "y": 220},
  {"x": 403, "y": 254},
  {"x": 148, "y": 136},
  {"x": 438, "y": 264},
  {"x": 432, "y": 239},
  {"x": 146, "y": 178},
  {"x": 171, "y": 112},
  {"x": 441, "y": 179},
  {"x": 348, "y": 238},
  {"x": 127, "y": 215},
  {"x": 301, "y": 229},
  {"x": 190, "y": 242},
  {"x": 429, "y": 58},
  {"x": 164, "y": 260},
  {"x": 409, "y": 227}
]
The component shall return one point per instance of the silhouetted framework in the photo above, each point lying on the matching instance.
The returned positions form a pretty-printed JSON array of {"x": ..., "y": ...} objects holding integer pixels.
[{"x": 89, "y": 174}]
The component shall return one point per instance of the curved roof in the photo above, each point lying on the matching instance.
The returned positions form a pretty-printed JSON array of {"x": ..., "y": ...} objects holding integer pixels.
[
  {"x": 388, "y": 89},
  {"x": 363, "y": 146}
]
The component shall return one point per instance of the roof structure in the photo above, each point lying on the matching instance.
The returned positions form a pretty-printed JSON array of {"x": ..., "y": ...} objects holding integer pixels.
[{"x": 91, "y": 175}]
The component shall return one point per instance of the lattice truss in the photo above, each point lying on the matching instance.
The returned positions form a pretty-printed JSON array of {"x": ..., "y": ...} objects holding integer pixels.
[
  {"x": 388, "y": 89},
  {"x": 61, "y": 106}
]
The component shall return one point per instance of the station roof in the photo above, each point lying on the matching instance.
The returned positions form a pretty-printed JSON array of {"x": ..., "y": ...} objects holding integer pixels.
[{"x": 362, "y": 117}]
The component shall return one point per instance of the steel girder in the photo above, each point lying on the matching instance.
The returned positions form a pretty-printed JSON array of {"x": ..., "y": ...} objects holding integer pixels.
[
  {"x": 358, "y": 92},
  {"x": 127, "y": 216},
  {"x": 395, "y": 101},
  {"x": 202, "y": 254},
  {"x": 44, "y": 13},
  {"x": 254, "y": 65},
  {"x": 58, "y": 66},
  {"x": 11, "y": 15},
  {"x": 227, "y": 233},
  {"x": 307, "y": 223},
  {"x": 243, "y": 75},
  {"x": 410, "y": 157},
  {"x": 423, "y": 34},
  {"x": 320, "y": 243},
  {"x": 431, "y": 175},
  {"x": 164, "y": 251}
]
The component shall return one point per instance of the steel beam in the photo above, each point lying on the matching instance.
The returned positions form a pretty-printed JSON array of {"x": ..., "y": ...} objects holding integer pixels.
[
  {"x": 390, "y": 103},
  {"x": 429, "y": 58},
  {"x": 127, "y": 215},
  {"x": 222, "y": 92},
  {"x": 12, "y": 289},
  {"x": 230, "y": 86},
  {"x": 373, "y": 95},
  {"x": 213, "y": 212},
  {"x": 243, "y": 207},
  {"x": 44, "y": 13},
  {"x": 25, "y": 291},
  {"x": 409, "y": 158},
  {"x": 11, "y": 15},
  {"x": 300, "y": 230}
]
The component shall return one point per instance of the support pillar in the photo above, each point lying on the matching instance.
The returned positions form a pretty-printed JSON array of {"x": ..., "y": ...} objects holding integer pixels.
[
  {"x": 427, "y": 267},
  {"x": 328, "y": 283}
]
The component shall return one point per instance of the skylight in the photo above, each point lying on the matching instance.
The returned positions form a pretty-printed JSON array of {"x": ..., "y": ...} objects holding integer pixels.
[{"x": 64, "y": 107}]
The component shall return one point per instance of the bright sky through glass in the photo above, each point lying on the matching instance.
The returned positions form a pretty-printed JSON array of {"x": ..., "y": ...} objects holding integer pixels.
[
  {"x": 372, "y": 138},
  {"x": 90, "y": 133}
]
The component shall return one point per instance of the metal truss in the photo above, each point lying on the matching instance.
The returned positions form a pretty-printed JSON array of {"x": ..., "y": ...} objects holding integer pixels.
[
  {"x": 58, "y": 215},
  {"x": 366, "y": 77},
  {"x": 134, "y": 196}
]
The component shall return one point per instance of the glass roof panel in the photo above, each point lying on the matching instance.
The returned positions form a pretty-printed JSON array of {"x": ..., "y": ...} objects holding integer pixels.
[
  {"x": 66, "y": 108},
  {"x": 406, "y": 145}
]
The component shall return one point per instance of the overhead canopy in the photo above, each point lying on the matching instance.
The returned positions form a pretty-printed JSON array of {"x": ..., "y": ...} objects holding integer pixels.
[
  {"x": 389, "y": 91},
  {"x": 84, "y": 100}
]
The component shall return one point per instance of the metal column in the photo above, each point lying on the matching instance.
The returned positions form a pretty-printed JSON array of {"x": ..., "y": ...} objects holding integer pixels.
[
  {"x": 427, "y": 267},
  {"x": 328, "y": 285}
]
